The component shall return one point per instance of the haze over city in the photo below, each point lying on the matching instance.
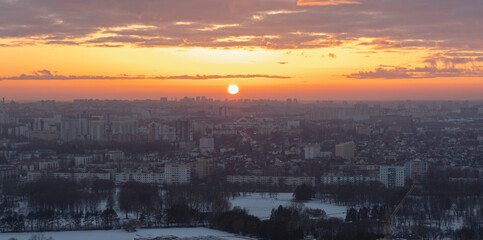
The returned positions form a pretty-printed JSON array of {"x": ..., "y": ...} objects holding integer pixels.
[{"x": 241, "y": 119}]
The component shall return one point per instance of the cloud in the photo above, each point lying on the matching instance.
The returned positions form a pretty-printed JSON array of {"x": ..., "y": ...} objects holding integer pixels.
[
  {"x": 429, "y": 24},
  {"x": 381, "y": 72},
  {"x": 395, "y": 72},
  {"x": 47, "y": 75},
  {"x": 324, "y": 2},
  {"x": 43, "y": 72},
  {"x": 212, "y": 77},
  {"x": 436, "y": 65}
]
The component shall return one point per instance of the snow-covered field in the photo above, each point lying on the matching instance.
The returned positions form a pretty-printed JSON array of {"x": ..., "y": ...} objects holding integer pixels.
[
  {"x": 261, "y": 205},
  {"x": 123, "y": 235}
]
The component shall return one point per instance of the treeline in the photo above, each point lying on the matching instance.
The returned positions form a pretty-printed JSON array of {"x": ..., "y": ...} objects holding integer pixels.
[
  {"x": 60, "y": 195},
  {"x": 292, "y": 222},
  {"x": 81, "y": 147},
  {"x": 419, "y": 222},
  {"x": 60, "y": 204},
  {"x": 431, "y": 211},
  {"x": 360, "y": 194}
]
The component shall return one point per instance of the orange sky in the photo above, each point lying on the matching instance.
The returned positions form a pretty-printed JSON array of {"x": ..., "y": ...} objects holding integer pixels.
[{"x": 270, "y": 49}]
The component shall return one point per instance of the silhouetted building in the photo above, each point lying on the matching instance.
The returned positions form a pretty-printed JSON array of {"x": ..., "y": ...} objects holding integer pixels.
[
  {"x": 416, "y": 170},
  {"x": 183, "y": 130},
  {"x": 204, "y": 167}
]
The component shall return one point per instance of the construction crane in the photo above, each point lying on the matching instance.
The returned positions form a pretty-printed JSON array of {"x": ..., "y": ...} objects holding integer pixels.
[{"x": 388, "y": 218}]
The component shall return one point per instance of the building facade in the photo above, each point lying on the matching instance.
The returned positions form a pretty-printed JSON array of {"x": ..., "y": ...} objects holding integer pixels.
[
  {"x": 345, "y": 150},
  {"x": 391, "y": 176}
]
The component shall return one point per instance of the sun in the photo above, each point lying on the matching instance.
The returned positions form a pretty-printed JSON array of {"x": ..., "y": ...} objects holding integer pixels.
[{"x": 233, "y": 89}]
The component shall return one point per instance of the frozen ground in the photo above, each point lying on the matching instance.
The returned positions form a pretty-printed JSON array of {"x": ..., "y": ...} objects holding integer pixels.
[
  {"x": 123, "y": 235},
  {"x": 261, "y": 205}
]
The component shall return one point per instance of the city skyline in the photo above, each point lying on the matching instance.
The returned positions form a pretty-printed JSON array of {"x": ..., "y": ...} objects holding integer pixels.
[
  {"x": 241, "y": 119},
  {"x": 306, "y": 49}
]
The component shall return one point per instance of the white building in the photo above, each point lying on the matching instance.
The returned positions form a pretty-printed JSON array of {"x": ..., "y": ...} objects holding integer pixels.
[
  {"x": 177, "y": 173},
  {"x": 207, "y": 145},
  {"x": 346, "y": 179},
  {"x": 83, "y": 160},
  {"x": 149, "y": 178},
  {"x": 271, "y": 180},
  {"x": 391, "y": 176},
  {"x": 43, "y": 165},
  {"x": 115, "y": 155},
  {"x": 121, "y": 178},
  {"x": 78, "y": 176},
  {"x": 312, "y": 151}
]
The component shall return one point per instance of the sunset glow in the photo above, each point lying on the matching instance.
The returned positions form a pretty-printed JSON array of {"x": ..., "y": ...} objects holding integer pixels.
[{"x": 282, "y": 48}]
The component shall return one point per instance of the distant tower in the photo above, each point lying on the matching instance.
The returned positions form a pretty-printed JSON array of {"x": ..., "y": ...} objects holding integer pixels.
[
  {"x": 223, "y": 111},
  {"x": 3, "y": 101},
  {"x": 183, "y": 130}
]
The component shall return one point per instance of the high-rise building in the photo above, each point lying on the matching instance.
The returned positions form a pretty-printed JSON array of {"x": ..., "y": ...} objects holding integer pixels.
[
  {"x": 68, "y": 129},
  {"x": 204, "y": 167},
  {"x": 175, "y": 173},
  {"x": 97, "y": 130},
  {"x": 391, "y": 176},
  {"x": 78, "y": 128},
  {"x": 83, "y": 121},
  {"x": 124, "y": 126},
  {"x": 345, "y": 150},
  {"x": 183, "y": 130},
  {"x": 168, "y": 133},
  {"x": 153, "y": 132},
  {"x": 223, "y": 111},
  {"x": 115, "y": 155},
  {"x": 207, "y": 145},
  {"x": 416, "y": 170},
  {"x": 312, "y": 151}
]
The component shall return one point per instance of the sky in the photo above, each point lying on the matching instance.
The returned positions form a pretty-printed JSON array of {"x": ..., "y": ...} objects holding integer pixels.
[{"x": 271, "y": 49}]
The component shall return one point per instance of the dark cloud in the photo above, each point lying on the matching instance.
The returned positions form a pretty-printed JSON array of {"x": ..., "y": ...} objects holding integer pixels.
[
  {"x": 381, "y": 72},
  {"x": 436, "y": 65},
  {"x": 48, "y": 75},
  {"x": 277, "y": 24},
  {"x": 395, "y": 72},
  {"x": 324, "y": 2}
]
